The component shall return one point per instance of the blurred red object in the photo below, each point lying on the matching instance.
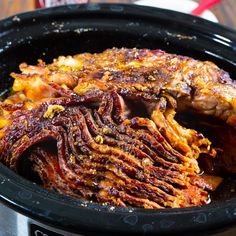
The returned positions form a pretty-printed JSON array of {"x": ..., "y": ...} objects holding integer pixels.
[
  {"x": 204, "y": 5},
  {"x": 52, "y": 3}
]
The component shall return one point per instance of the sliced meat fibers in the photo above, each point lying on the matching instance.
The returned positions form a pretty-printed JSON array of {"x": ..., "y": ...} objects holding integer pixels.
[
  {"x": 102, "y": 127},
  {"x": 102, "y": 156}
]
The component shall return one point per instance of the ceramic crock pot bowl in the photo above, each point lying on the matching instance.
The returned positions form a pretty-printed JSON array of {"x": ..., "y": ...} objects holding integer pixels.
[{"x": 26, "y": 208}]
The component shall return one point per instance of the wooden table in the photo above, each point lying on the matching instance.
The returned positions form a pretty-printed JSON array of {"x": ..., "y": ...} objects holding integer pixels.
[{"x": 224, "y": 11}]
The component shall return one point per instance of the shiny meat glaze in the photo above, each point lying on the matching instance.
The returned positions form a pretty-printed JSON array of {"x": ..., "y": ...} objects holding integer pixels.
[
  {"x": 199, "y": 85},
  {"x": 109, "y": 122}
]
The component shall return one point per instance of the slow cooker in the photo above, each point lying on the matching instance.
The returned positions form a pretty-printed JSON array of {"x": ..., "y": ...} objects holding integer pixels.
[{"x": 28, "y": 209}]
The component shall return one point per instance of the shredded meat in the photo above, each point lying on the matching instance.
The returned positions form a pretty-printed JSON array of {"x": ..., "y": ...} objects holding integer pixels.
[{"x": 102, "y": 126}]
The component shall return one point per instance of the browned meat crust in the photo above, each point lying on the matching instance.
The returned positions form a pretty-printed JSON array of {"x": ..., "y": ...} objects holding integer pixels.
[
  {"x": 144, "y": 73},
  {"x": 109, "y": 118}
]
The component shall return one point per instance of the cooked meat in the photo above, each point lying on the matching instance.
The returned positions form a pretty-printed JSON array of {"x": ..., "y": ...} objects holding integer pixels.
[
  {"x": 110, "y": 121},
  {"x": 148, "y": 74},
  {"x": 99, "y": 155}
]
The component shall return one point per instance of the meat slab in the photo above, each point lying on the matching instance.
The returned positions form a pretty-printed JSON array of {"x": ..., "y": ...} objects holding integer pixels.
[{"x": 102, "y": 127}]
